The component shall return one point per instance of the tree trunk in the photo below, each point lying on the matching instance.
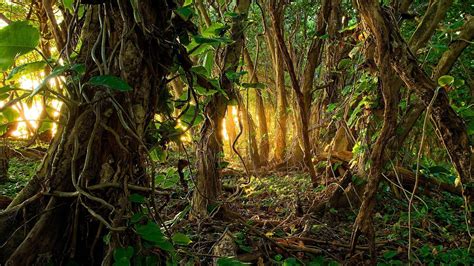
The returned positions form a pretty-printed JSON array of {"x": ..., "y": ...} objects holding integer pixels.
[
  {"x": 391, "y": 52},
  {"x": 3, "y": 162},
  {"x": 104, "y": 131},
  {"x": 264, "y": 146},
  {"x": 250, "y": 135},
  {"x": 209, "y": 150}
]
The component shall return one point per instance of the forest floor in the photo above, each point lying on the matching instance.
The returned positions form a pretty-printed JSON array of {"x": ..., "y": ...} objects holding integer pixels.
[{"x": 274, "y": 226}]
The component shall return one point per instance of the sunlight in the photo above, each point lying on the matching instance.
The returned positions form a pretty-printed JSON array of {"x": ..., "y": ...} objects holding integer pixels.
[{"x": 32, "y": 111}]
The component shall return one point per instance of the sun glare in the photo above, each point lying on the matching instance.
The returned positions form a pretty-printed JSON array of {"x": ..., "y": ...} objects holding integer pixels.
[{"x": 31, "y": 112}]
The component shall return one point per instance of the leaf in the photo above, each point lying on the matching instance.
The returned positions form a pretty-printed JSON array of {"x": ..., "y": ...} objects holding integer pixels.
[
  {"x": 200, "y": 70},
  {"x": 344, "y": 63},
  {"x": 208, "y": 61},
  {"x": 111, "y": 82},
  {"x": 45, "y": 126},
  {"x": 57, "y": 71},
  {"x": 165, "y": 245},
  {"x": 351, "y": 27},
  {"x": 24, "y": 69},
  {"x": 188, "y": 116},
  {"x": 10, "y": 114},
  {"x": 185, "y": 12},
  {"x": 216, "y": 29},
  {"x": 229, "y": 262},
  {"x": 325, "y": 36},
  {"x": 235, "y": 76},
  {"x": 256, "y": 85},
  {"x": 136, "y": 198},
  {"x": 69, "y": 5},
  {"x": 6, "y": 89},
  {"x": 290, "y": 262},
  {"x": 390, "y": 254},
  {"x": 150, "y": 232},
  {"x": 158, "y": 154},
  {"x": 16, "y": 39},
  {"x": 137, "y": 217},
  {"x": 123, "y": 253},
  {"x": 122, "y": 256},
  {"x": 203, "y": 91},
  {"x": 181, "y": 239},
  {"x": 216, "y": 40},
  {"x": 445, "y": 80},
  {"x": 187, "y": 2}
]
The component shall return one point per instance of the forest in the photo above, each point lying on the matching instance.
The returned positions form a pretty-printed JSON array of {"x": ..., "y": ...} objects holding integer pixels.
[{"x": 236, "y": 132}]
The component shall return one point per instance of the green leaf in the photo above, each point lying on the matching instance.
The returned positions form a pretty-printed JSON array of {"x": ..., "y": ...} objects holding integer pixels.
[
  {"x": 187, "y": 2},
  {"x": 216, "y": 29},
  {"x": 57, "y": 71},
  {"x": 216, "y": 40},
  {"x": 290, "y": 262},
  {"x": 137, "y": 217},
  {"x": 150, "y": 232},
  {"x": 181, "y": 239},
  {"x": 200, "y": 70},
  {"x": 235, "y": 76},
  {"x": 24, "y": 69},
  {"x": 79, "y": 68},
  {"x": 325, "y": 36},
  {"x": 344, "y": 63},
  {"x": 351, "y": 27},
  {"x": 158, "y": 154},
  {"x": 165, "y": 245},
  {"x": 136, "y": 198},
  {"x": 111, "y": 82},
  {"x": 390, "y": 254},
  {"x": 445, "y": 80},
  {"x": 45, "y": 126},
  {"x": 185, "y": 12},
  {"x": 229, "y": 262},
  {"x": 10, "y": 114},
  {"x": 203, "y": 91},
  {"x": 256, "y": 85},
  {"x": 122, "y": 256},
  {"x": 69, "y": 5},
  {"x": 6, "y": 89},
  {"x": 16, "y": 39},
  {"x": 188, "y": 116},
  {"x": 208, "y": 61}
]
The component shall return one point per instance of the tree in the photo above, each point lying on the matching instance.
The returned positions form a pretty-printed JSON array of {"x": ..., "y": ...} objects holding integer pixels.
[
  {"x": 209, "y": 149},
  {"x": 392, "y": 54},
  {"x": 98, "y": 158}
]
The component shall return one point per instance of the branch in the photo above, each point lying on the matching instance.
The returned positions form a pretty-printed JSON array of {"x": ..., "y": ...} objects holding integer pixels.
[
  {"x": 433, "y": 15},
  {"x": 4, "y": 18}
]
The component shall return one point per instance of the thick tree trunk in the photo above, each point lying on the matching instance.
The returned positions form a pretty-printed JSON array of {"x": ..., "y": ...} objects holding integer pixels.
[
  {"x": 3, "y": 162},
  {"x": 209, "y": 150},
  {"x": 81, "y": 190},
  {"x": 392, "y": 52}
]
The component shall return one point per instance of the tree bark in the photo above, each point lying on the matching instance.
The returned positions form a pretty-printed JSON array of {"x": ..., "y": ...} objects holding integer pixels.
[
  {"x": 392, "y": 52},
  {"x": 209, "y": 148},
  {"x": 67, "y": 218},
  {"x": 302, "y": 91},
  {"x": 264, "y": 145}
]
